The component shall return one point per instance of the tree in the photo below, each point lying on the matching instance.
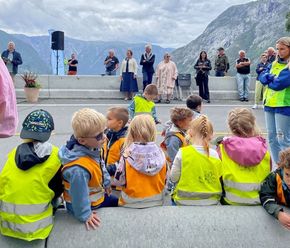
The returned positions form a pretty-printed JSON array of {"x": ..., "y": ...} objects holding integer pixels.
[{"x": 288, "y": 22}]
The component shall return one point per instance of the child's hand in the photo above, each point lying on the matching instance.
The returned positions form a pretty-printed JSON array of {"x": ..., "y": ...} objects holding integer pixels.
[
  {"x": 93, "y": 221},
  {"x": 108, "y": 191},
  {"x": 284, "y": 219}
]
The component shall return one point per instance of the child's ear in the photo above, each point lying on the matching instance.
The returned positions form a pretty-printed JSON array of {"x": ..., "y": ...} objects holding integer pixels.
[
  {"x": 81, "y": 141},
  {"x": 121, "y": 123}
]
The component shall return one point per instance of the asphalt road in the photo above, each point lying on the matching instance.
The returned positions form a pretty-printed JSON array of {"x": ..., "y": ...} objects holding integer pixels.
[{"x": 62, "y": 111}]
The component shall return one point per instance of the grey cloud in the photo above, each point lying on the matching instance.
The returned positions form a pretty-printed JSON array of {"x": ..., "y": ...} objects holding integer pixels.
[{"x": 173, "y": 23}]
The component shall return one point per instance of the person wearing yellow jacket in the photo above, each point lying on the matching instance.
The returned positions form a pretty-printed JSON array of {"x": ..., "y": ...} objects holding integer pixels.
[
  {"x": 30, "y": 182},
  {"x": 196, "y": 169},
  {"x": 142, "y": 169}
]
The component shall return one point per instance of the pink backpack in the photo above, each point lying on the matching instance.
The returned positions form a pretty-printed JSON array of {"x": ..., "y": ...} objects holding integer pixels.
[{"x": 8, "y": 108}]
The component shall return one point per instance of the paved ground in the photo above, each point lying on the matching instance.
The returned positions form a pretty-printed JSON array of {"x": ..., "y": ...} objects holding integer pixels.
[{"x": 62, "y": 111}]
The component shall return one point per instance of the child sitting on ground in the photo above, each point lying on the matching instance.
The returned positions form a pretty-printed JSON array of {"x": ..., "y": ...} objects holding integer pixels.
[
  {"x": 194, "y": 102},
  {"x": 86, "y": 180},
  {"x": 117, "y": 118},
  {"x": 175, "y": 135},
  {"x": 245, "y": 159},
  {"x": 196, "y": 169},
  {"x": 142, "y": 168},
  {"x": 275, "y": 190},
  {"x": 144, "y": 103},
  {"x": 30, "y": 182}
]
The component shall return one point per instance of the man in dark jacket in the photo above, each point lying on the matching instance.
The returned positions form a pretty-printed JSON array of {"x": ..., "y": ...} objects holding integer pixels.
[
  {"x": 12, "y": 59},
  {"x": 221, "y": 65},
  {"x": 147, "y": 61}
]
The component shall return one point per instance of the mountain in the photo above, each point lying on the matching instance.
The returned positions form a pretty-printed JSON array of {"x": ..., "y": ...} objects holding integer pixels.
[
  {"x": 252, "y": 27},
  {"x": 31, "y": 59},
  {"x": 90, "y": 54}
]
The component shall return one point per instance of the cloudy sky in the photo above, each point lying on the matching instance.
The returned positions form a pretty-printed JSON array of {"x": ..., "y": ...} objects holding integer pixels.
[{"x": 165, "y": 22}]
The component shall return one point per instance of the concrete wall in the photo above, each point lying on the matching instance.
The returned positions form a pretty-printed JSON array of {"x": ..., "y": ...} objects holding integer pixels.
[
  {"x": 100, "y": 87},
  {"x": 204, "y": 226}
]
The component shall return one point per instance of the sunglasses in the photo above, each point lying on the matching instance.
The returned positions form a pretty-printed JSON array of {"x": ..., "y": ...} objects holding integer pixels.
[{"x": 98, "y": 137}]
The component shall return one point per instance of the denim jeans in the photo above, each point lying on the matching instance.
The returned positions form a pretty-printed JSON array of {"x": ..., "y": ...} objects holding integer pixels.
[
  {"x": 243, "y": 82},
  {"x": 147, "y": 78},
  {"x": 219, "y": 73},
  {"x": 278, "y": 133},
  {"x": 111, "y": 73}
]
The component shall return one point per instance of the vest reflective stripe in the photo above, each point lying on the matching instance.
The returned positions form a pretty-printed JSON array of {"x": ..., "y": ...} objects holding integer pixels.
[
  {"x": 280, "y": 192},
  {"x": 142, "y": 105},
  {"x": 155, "y": 200},
  {"x": 204, "y": 202},
  {"x": 26, "y": 210},
  {"x": 201, "y": 195},
  {"x": 23, "y": 209},
  {"x": 28, "y": 227},
  {"x": 277, "y": 98},
  {"x": 237, "y": 199},
  {"x": 242, "y": 186},
  {"x": 199, "y": 183},
  {"x": 96, "y": 191},
  {"x": 142, "y": 190}
]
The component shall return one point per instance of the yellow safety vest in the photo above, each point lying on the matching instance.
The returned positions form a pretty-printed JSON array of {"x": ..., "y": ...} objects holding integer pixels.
[
  {"x": 199, "y": 183},
  {"x": 25, "y": 198},
  {"x": 242, "y": 184},
  {"x": 143, "y": 106},
  {"x": 274, "y": 98}
]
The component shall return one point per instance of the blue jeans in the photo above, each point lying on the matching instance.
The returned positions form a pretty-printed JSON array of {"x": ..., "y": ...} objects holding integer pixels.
[
  {"x": 278, "y": 133},
  {"x": 219, "y": 73},
  {"x": 147, "y": 78},
  {"x": 243, "y": 82},
  {"x": 111, "y": 73}
]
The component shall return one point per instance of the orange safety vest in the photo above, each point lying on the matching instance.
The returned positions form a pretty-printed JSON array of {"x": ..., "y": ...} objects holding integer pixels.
[
  {"x": 112, "y": 154},
  {"x": 95, "y": 184},
  {"x": 164, "y": 148},
  {"x": 142, "y": 190},
  {"x": 280, "y": 192}
]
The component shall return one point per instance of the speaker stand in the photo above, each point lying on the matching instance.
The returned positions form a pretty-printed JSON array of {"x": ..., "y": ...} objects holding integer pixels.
[{"x": 56, "y": 62}]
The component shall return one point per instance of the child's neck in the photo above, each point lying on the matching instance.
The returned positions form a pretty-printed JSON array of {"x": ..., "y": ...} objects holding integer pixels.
[{"x": 197, "y": 141}]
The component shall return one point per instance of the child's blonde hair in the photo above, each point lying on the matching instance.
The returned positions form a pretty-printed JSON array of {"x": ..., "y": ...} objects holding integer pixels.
[
  {"x": 286, "y": 42},
  {"x": 141, "y": 129},
  {"x": 284, "y": 159},
  {"x": 201, "y": 127},
  {"x": 180, "y": 114},
  {"x": 242, "y": 123},
  {"x": 120, "y": 113},
  {"x": 87, "y": 122}
]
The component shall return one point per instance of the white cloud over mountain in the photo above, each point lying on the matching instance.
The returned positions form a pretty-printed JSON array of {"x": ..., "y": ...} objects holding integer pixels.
[{"x": 165, "y": 22}]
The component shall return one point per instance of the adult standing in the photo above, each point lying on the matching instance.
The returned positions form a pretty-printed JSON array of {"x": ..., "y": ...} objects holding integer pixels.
[
  {"x": 166, "y": 74},
  {"x": 271, "y": 53},
  {"x": 243, "y": 76},
  {"x": 277, "y": 99},
  {"x": 203, "y": 66},
  {"x": 128, "y": 73},
  {"x": 111, "y": 63},
  {"x": 147, "y": 61},
  {"x": 12, "y": 59},
  {"x": 72, "y": 65},
  {"x": 221, "y": 64},
  {"x": 259, "y": 89}
]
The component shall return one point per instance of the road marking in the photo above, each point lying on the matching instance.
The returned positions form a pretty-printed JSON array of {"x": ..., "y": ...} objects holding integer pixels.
[{"x": 121, "y": 104}]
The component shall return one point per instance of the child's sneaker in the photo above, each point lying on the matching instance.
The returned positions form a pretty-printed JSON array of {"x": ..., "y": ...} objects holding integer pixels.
[{"x": 255, "y": 106}]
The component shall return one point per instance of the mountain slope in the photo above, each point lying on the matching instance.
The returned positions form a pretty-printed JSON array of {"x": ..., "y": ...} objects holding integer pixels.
[{"x": 252, "y": 27}]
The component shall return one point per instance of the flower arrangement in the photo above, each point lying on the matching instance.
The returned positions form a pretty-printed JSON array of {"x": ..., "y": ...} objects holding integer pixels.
[{"x": 30, "y": 79}]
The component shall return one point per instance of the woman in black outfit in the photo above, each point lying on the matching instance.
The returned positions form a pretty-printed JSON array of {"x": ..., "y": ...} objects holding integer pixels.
[{"x": 203, "y": 66}]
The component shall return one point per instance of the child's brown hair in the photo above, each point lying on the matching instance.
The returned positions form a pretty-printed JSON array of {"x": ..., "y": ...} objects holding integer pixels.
[
  {"x": 151, "y": 89},
  {"x": 201, "y": 127},
  {"x": 193, "y": 101},
  {"x": 284, "y": 159},
  {"x": 120, "y": 113},
  {"x": 242, "y": 123},
  {"x": 180, "y": 114}
]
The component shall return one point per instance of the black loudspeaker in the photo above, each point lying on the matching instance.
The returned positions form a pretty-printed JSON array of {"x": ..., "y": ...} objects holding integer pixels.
[{"x": 57, "y": 40}]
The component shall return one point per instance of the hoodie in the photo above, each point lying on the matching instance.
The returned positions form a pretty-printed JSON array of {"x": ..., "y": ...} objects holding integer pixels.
[
  {"x": 246, "y": 152},
  {"x": 79, "y": 177},
  {"x": 30, "y": 154},
  {"x": 146, "y": 158}
]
